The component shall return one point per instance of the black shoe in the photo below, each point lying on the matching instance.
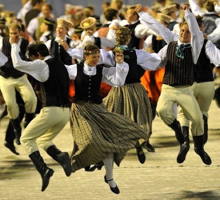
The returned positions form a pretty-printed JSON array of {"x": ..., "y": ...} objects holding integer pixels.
[
  {"x": 148, "y": 146},
  {"x": 199, "y": 149},
  {"x": 46, "y": 178},
  {"x": 62, "y": 158},
  {"x": 184, "y": 148},
  {"x": 113, "y": 189},
  {"x": 90, "y": 168},
  {"x": 204, "y": 156},
  {"x": 140, "y": 154},
  {"x": 11, "y": 147},
  {"x": 45, "y": 172},
  {"x": 97, "y": 166}
]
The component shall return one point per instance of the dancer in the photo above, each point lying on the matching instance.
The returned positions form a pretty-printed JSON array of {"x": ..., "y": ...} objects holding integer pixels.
[
  {"x": 179, "y": 58},
  {"x": 54, "y": 81},
  {"x": 99, "y": 135}
]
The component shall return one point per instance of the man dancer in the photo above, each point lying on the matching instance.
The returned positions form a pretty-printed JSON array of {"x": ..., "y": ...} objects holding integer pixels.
[
  {"x": 54, "y": 82},
  {"x": 12, "y": 80}
]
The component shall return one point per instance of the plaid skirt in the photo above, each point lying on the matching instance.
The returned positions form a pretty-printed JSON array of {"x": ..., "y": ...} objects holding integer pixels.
[
  {"x": 131, "y": 100},
  {"x": 97, "y": 132}
]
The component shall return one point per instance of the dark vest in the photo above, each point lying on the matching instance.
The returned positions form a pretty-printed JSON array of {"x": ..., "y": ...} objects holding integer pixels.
[
  {"x": 203, "y": 68},
  {"x": 98, "y": 42},
  {"x": 135, "y": 71},
  {"x": 171, "y": 25},
  {"x": 87, "y": 87},
  {"x": 54, "y": 92},
  {"x": 58, "y": 51},
  {"x": 157, "y": 45},
  {"x": 8, "y": 69},
  {"x": 209, "y": 22},
  {"x": 178, "y": 72},
  {"x": 134, "y": 40},
  {"x": 50, "y": 36}
]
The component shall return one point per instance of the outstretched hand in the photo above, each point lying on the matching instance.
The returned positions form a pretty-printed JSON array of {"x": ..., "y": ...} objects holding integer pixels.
[
  {"x": 185, "y": 6},
  {"x": 139, "y": 8}
]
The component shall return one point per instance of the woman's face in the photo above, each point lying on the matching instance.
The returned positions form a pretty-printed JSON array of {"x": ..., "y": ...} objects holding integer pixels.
[
  {"x": 61, "y": 31},
  {"x": 92, "y": 59}
]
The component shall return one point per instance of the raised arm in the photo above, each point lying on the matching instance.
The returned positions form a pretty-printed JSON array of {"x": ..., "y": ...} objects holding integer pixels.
[
  {"x": 155, "y": 26},
  {"x": 116, "y": 76},
  {"x": 148, "y": 61},
  {"x": 197, "y": 37},
  {"x": 38, "y": 68}
]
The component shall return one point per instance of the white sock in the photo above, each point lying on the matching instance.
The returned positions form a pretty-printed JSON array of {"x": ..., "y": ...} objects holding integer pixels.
[{"x": 108, "y": 162}]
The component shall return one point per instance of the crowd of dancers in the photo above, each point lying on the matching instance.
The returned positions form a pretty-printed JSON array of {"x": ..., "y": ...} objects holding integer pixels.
[{"x": 109, "y": 76}]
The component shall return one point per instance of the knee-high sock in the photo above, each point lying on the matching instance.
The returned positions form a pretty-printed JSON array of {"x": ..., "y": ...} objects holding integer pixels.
[{"x": 108, "y": 163}]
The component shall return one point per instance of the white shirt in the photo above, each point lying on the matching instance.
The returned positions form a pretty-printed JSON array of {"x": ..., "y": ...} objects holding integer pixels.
[
  {"x": 23, "y": 11},
  {"x": 37, "y": 68},
  {"x": 214, "y": 36},
  {"x": 148, "y": 61},
  {"x": 3, "y": 59},
  {"x": 196, "y": 35},
  {"x": 114, "y": 76},
  {"x": 196, "y": 10},
  {"x": 105, "y": 43}
]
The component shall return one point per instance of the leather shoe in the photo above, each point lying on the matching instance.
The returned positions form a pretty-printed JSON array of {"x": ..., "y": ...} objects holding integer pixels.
[
  {"x": 141, "y": 155},
  {"x": 11, "y": 147},
  {"x": 113, "y": 189},
  {"x": 148, "y": 146},
  {"x": 184, "y": 148},
  {"x": 46, "y": 178}
]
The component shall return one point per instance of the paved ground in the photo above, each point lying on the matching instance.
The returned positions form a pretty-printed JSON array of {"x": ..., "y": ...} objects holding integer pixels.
[{"x": 160, "y": 178}]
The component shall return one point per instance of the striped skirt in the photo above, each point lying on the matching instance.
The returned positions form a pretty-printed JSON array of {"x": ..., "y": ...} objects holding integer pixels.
[
  {"x": 131, "y": 100},
  {"x": 97, "y": 132}
]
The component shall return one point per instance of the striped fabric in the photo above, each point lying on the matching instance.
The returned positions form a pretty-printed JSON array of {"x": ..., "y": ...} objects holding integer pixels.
[
  {"x": 97, "y": 132},
  {"x": 178, "y": 72},
  {"x": 131, "y": 100}
]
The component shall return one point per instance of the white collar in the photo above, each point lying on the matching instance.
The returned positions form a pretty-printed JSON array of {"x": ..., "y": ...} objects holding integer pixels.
[
  {"x": 89, "y": 70},
  {"x": 47, "y": 57},
  {"x": 179, "y": 43}
]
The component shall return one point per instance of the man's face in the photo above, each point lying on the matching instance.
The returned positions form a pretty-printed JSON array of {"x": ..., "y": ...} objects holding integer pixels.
[
  {"x": 131, "y": 15},
  {"x": 14, "y": 33},
  {"x": 46, "y": 11},
  {"x": 185, "y": 35}
]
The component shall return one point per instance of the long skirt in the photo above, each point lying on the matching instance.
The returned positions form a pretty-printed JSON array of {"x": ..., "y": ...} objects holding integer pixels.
[
  {"x": 131, "y": 100},
  {"x": 97, "y": 132}
]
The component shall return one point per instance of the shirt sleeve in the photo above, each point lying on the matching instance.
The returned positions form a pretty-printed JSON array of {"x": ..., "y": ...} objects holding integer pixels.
[
  {"x": 106, "y": 43},
  {"x": 163, "y": 55},
  {"x": 38, "y": 68},
  {"x": 197, "y": 37},
  {"x": 106, "y": 57},
  {"x": 148, "y": 61},
  {"x": 215, "y": 35},
  {"x": 72, "y": 71},
  {"x": 196, "y": 10},
  {"x": 115, "y": 76},
  {"x": 148, "y": 42},
  {"x": 3, "y": 59},
  {"x": 76, "y": 53},
  {"x": 32, "y": 26},
  {"x": 158, "y": 28},
  {"x": 213, "y": 53}
]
